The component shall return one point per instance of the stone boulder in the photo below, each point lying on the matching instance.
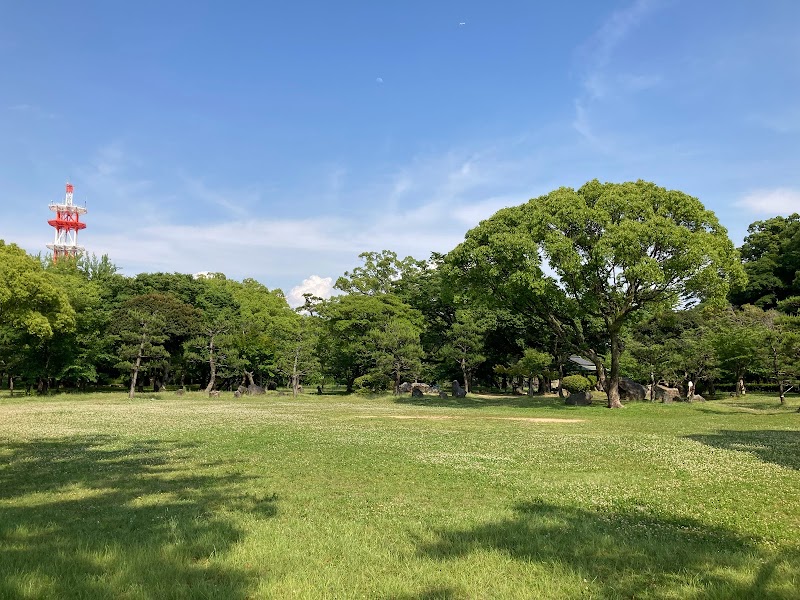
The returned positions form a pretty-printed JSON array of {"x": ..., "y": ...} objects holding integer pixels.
[
  {"x": 667, "y": 395},
  {"x": 458, "y": 391},
  {"x": 579, "y": 399},
  {"x": 424, "y": 387},
  {"x": 416, "y": 393},
  {"x": 213, "y": 394},
  {"x": 443, "y": 394},
  {"x": 629, "y": 390},
  {"x": 254, "y": 390},
  {"x": 404, "y": 388},
  {"x": 272, "y": 386},
  {"x": 697, "y": 398}
]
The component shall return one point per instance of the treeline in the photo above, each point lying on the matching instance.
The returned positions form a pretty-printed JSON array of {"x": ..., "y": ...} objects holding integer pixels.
[{"x": 640, "y": 280}]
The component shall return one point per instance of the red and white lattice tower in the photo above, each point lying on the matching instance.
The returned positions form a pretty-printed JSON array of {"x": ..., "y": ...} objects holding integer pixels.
[{"x": 67, "y": 224}]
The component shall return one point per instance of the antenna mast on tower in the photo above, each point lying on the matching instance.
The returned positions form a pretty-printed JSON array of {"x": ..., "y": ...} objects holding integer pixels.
[{"x": 67, "y": 223}]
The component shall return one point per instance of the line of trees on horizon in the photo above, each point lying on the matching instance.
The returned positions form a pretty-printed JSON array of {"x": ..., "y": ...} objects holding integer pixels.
[{"x": 642, "y": 281}]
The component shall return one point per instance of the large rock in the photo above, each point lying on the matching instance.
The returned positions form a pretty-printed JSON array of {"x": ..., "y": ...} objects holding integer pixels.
[
  {"x": 254, "y": 390},
  {"x": 404, "y": 388},
  {"x": 697, "y": 398},
  {"x": 416, "y": 392},
  {"x": 579, "y": 399},
  {"x": 424, "y": 387},
  {"x": 458, "y": 391},
  {"x": 667, "y": 395},
  {"x": 629, "y": 390}
]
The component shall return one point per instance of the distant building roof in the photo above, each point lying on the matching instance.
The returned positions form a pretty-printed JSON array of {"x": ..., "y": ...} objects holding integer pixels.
[{"x": 583, "y": 363}]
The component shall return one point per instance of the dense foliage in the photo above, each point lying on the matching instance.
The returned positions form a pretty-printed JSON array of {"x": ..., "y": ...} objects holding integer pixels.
[{"x": 632, "y": 277}]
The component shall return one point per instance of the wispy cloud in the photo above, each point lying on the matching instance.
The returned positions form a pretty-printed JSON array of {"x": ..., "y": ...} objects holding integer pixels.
[
  {"x": 424, "y": 206},
  {"x": 600, "y": 81},
  {"x": 778, "y": 201},
  {"x": 782, "y": 121},
  {"x": 237, "y": 202},
  {"x": 32, "y": 110}
]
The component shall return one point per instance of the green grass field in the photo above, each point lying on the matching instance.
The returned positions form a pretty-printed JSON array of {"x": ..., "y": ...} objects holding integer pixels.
[{"x": 349, "y": 497}]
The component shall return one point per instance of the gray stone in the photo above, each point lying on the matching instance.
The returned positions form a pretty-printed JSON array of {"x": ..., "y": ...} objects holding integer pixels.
[
  {"x": 667, "y": 395},
  {"x": 443, "y": 394},
  {"x": 697, "y": 398},
  {"x": 629, "y": 390},
  {"x": 458, "y": 391},
  {"x": 254, "y": 390},
  {"x": 579, "y": 399},
  {"x": 416, "y": 393},
  {"x": 404, "y": 388},
  {"x": 213, "y": 394}
]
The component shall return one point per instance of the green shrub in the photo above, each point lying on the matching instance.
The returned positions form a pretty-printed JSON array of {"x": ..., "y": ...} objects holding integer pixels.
[
  {"x": 576, "y": 383},
  {"x": 372, "y": 383}
]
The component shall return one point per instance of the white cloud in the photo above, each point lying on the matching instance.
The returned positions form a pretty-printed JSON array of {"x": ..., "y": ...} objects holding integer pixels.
[
  {"x": 600, "y": 81},
  {"x": 316, "y": 285},
  {"x": 425, "y": 205},
  {"x": 778, "y": 201}
]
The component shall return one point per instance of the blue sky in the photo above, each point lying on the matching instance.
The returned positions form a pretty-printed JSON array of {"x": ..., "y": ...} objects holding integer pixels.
[{"x": 279, "y": 140}]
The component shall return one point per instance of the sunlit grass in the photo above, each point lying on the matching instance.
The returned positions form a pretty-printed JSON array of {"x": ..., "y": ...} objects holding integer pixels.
[{"x": 335, "y": 496}]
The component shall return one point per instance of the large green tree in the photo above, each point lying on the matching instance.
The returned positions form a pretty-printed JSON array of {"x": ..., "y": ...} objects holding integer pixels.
[
  {"x": 345, "y": 346},
  {"x": 616, "y": 249},
  {"x": 771, "y": 257},
  {"x": 31, "y": 301},
  {"x": 464, "y": 344},
  {"x": 142, "y": 338},
  {"x": 396, "y": 350}
]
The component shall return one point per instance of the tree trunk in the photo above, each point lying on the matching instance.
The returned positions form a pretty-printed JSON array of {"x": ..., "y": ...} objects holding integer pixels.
[
  {"x": 740, "y": 385},
  {"x": 295, "y": 375},
  {"x": 213, "y": 366},
  {"x": 135, "y": 371},
  {"x": 600, "y": 370},
  {"x": 544, "y": 385},
  {"x": 560, "y": 379},
  {"x": 612, "y": 389},
  {"x": 11, "y": 385},
  {"x": 464, "y": 372},
  {"x": 652, "y": 386},
  {"x": 782, "y": 393}
]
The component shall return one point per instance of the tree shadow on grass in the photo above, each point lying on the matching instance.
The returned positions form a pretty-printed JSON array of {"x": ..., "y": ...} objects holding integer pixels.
[
  {"x": 86, "y": 517},
  {"x": 472, "y": 401},
  {"x": 629, "y": 554},
  {"x": 778, "y": 446}
]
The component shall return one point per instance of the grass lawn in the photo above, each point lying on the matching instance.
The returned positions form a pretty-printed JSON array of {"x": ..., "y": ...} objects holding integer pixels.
[{"x": 349, "y": 497}]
